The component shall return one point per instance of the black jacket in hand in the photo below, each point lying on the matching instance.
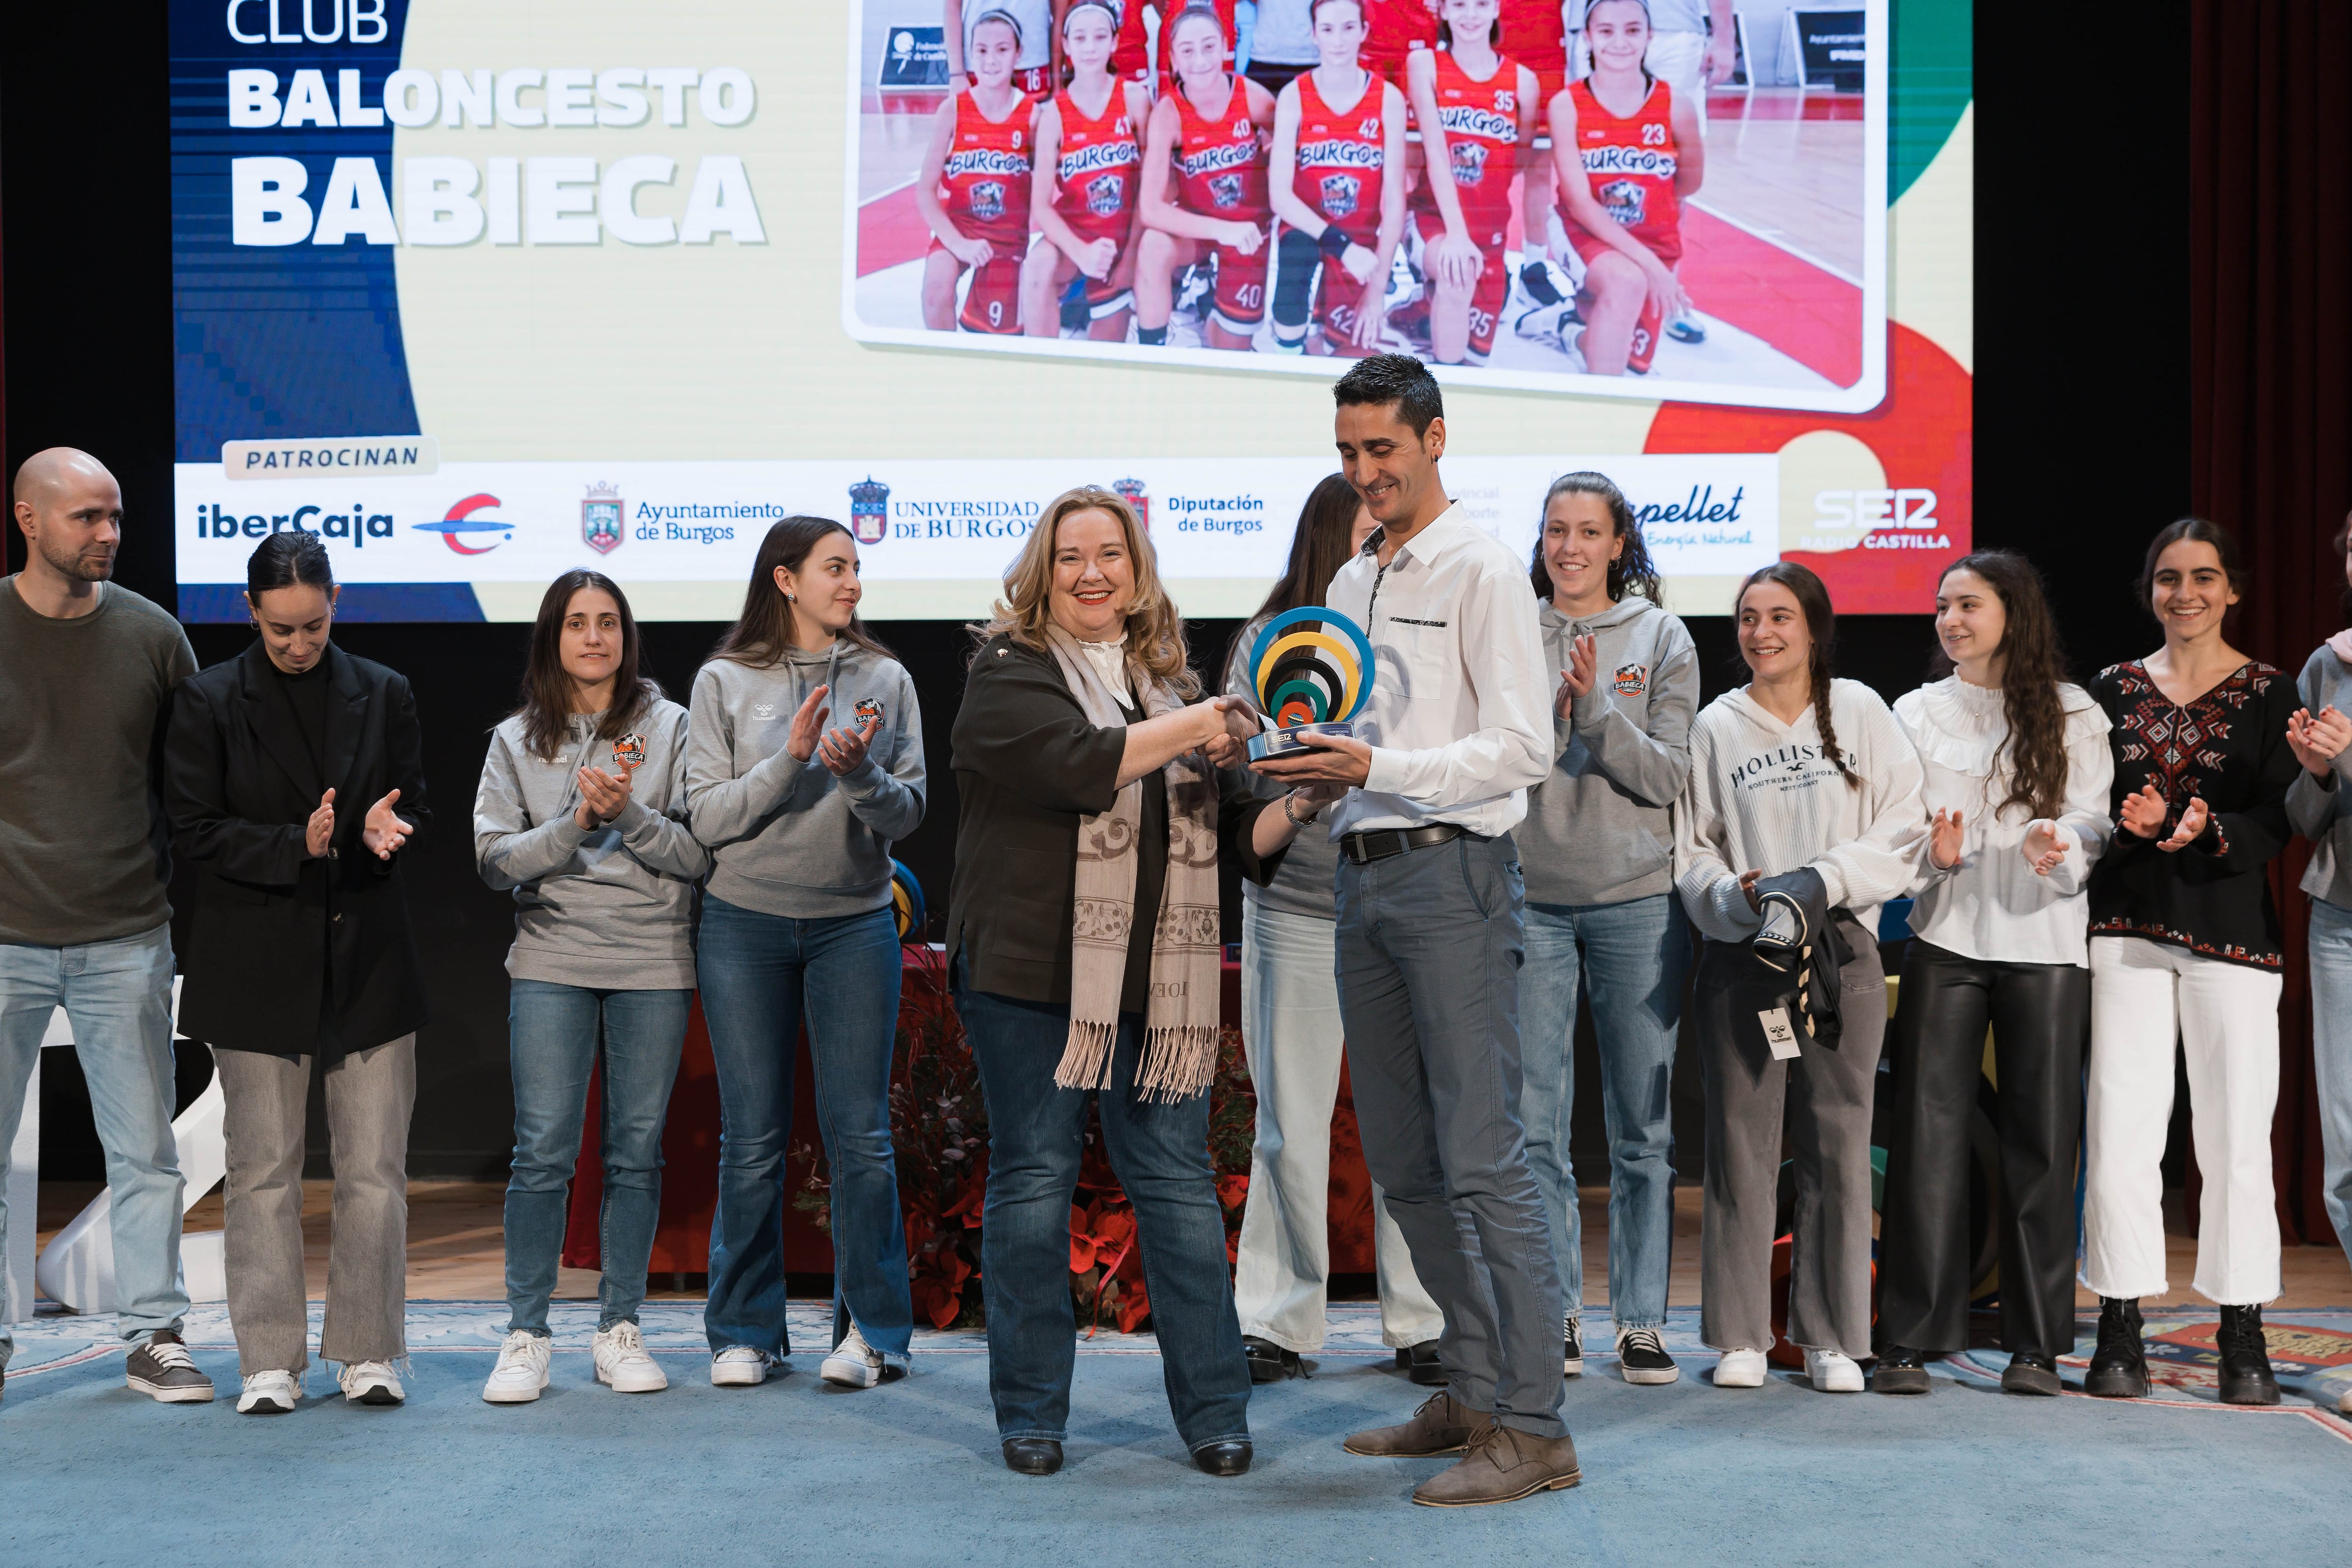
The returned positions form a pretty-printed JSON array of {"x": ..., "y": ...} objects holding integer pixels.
[{"x": 273, "y": 927}]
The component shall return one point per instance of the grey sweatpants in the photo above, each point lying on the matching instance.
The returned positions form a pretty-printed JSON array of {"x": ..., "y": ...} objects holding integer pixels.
[
  {"x": 1826, "y": 1094},
  {"x": 1428, "y": 965},
  {"x": 369, "y": 1095}
]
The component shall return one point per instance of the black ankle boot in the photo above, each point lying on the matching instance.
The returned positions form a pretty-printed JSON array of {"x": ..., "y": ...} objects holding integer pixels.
[
  {"x": 2119, "y": 1366},
  {"x": 2246, "y": 1376},
  {"x": 1901, "y": 1370}
]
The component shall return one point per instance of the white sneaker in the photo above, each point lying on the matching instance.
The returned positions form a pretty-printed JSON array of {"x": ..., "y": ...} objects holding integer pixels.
[
  {"x": 1740, "y": 1369},
  {"x": 622, "y": 1360},
  {"x": 739, "y": 1366},
  {"x": 269, "y": 1394},
  {"x": 521, "y": 1371},
  {"x": 1833, "y": 1372},
  {"x": 853, "y": 1363},
  {"x": 371, "y": 1382}
]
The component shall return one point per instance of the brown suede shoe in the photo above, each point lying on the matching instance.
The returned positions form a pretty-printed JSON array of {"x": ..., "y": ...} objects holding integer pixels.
[
  {"x": 1503, "y": 1465},
  {"x": 1441, "y": 1425}
]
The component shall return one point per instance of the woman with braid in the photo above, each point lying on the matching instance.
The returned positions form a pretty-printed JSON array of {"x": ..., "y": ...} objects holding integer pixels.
[{"x": 1803, "y": 794}]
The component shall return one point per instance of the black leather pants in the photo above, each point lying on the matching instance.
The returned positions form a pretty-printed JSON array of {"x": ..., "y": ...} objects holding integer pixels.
[{"x": 2040, "y": 1015}]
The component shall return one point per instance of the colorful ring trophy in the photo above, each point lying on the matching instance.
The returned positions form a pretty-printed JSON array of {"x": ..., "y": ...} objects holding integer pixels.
[{"x": 1312, "y": 668}]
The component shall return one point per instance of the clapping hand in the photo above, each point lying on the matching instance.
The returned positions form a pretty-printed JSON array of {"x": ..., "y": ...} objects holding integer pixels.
[
  {"x": 383, "y": 831},
  {"x": 601, "y": 796},
  {"x": 808, "y": 724},
  {"x": 1576, "y": 679},
  {"x": 842, "y": 751},
  {"x": 2144, "y": 812},
  {"x": 2192, "y": 823},
  {"x": 1944, "y": 840},
  {"x": 2045, "y": 847},
  {"x": 2318, "y": 741},
  {"x": 319, "y": 831}
]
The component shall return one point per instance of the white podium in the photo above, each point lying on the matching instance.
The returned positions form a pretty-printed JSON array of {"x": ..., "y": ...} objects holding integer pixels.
[{"x": 76, "y": 1268}]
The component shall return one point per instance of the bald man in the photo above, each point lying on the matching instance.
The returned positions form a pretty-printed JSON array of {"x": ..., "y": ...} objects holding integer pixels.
[{"x": 86, "y": 669}]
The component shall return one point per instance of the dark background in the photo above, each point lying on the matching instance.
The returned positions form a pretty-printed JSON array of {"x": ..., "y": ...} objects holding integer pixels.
[{"x": 2082, "y": 431}]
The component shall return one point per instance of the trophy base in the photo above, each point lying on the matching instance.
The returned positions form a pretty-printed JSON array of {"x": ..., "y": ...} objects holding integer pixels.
[{"x": 1281, "y": 743}]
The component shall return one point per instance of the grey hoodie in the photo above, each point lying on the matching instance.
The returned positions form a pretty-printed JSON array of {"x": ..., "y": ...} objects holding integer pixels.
[
  {"x": 2321, "y": 812},
  {"x": 611, "y": 909},
  {"x": 788, "y": 837},
  {"x": 1598, "y": 830}
]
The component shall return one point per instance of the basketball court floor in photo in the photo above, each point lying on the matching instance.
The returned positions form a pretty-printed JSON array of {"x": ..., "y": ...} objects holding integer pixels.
[{"x": 1772, "y": 244}]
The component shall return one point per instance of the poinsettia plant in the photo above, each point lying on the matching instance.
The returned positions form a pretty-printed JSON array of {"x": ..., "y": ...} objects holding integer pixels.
[{"x": 939, "y": 1125}]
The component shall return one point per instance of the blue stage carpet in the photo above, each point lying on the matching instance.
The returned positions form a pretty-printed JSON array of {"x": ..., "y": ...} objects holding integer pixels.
[{"x": 794, "y": 1472}]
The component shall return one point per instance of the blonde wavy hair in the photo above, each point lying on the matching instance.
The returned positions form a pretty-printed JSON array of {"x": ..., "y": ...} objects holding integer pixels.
[{"x": 1155, "y": 631}]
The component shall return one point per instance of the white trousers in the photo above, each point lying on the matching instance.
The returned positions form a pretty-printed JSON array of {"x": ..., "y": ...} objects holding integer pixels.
[
  {"x": 1290, "y": 1028},
  {"x": 2144, "y": 994}
]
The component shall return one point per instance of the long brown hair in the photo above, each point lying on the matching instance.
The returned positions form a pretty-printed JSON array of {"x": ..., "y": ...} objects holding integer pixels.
[
  {"x": 1812, "y": 597},
  {"x": 1318, "y": 547},
  {"x": 2032, "y": 664},
  {"x": 762, "y": 633},
  {"x": 547, "y": 689},
  {"x": 1633, "y": 572},
  {"x": 1155, "y": 632}
]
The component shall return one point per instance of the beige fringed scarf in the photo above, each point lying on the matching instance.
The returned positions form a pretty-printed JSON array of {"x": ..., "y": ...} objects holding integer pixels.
[{"x": 1179, "y": 1041}]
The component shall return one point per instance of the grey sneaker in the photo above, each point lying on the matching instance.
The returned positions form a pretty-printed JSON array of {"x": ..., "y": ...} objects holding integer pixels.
[{"x": 161, "y": 1369}]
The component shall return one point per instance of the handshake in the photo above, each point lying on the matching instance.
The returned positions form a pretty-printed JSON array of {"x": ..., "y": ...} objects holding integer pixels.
[{"x": 1227, "y": 724}]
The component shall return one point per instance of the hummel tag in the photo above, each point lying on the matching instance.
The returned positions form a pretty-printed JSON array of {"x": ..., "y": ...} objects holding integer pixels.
[{"x": 1777, "y": 1034}]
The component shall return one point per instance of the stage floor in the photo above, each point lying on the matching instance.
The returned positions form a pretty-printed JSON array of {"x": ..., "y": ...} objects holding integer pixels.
[{"x": 909, "y": 1473}]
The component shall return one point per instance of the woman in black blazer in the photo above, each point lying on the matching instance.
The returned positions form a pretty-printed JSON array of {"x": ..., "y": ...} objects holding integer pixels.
[{"x": 295, "y": 777}]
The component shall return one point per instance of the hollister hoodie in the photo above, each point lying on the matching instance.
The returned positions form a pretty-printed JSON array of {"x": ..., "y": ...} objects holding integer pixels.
[{"x": 787, "y": 838}]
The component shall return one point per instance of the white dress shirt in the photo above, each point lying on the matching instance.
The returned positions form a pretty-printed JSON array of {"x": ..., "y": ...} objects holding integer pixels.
[
  {"x": 1459, "y": 716},
  {"x": 1992, "y": 906}
]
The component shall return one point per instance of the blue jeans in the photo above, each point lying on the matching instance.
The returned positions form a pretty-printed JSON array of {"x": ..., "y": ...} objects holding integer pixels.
[
  {"x": 2331, "y": 1038},
  {"x": 1036, "y": 1133},
  {"x": 1634, "y": 955},
  {"x": 760, "y": 976},
  {"x": 556, "y": 1034},
  {"x": 118, "y": 995}
]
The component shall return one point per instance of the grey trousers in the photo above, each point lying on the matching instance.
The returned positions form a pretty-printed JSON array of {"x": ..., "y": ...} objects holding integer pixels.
[
  {"x": 1428, "y": 965},
  {"x": 1825, "y": 1095},
  {"x": 369, "y": 1095}
]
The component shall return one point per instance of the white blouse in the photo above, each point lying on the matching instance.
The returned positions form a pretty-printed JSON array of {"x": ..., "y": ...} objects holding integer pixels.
[{"x": 1992, "y": 906}]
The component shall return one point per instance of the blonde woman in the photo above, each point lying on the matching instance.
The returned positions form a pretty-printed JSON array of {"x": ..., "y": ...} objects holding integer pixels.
[{"x": 1085, "y": 762}]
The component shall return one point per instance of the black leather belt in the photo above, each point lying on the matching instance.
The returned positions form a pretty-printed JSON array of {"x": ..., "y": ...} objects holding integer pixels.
[{"x": 1362, "y": 847}]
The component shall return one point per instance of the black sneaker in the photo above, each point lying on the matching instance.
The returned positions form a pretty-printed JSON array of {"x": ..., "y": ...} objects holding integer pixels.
[
  {"x": 1901, "y": 1370},
  {"x": 1268, "y": 1361},
  {"x": 1642, "y": 1359},
  {"x": 1420, "y": 1363},
  {"x": 1573, "y": 1362},
  {"x": 2246, "y": 1375},
  {"x": 2030, "y": 1372},
  {"x": 161, "y": 1369},
  {"x": 2119, "y": 1365}
]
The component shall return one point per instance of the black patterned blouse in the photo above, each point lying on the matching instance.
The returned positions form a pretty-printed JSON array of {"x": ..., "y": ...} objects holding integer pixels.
[{"x": 2229, "y": 748}]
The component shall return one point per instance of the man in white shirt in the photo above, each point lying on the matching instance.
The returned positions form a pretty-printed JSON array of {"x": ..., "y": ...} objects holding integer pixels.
[{"x": 1458, "y": 729}]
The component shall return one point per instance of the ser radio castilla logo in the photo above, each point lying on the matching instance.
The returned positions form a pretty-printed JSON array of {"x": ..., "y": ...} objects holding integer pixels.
[{"x": 601, "y": 519}]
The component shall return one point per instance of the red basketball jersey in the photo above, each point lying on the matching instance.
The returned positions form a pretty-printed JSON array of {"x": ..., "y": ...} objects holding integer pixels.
[
  {"x": 985, "y": 185},
  {"x": 1631, "y": 164},
  {"x": 1095, "y": 175},
  {"x": 1535, "y": 34},
  {"x": 1481, "y": 122},
  {"x": 1341, "y": 159},
  {"x": 1394, "y": 30},
  {"x": 1220, "y": 164}
]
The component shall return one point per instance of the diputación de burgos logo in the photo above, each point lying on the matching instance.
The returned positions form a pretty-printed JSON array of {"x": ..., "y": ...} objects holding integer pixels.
[
  {"x": 870, "y": 512},
  {"x": 1132, "y": 492}
]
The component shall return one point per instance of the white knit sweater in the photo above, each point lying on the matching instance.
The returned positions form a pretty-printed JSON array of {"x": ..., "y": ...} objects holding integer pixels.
[{"x": 1762, "y": 797}]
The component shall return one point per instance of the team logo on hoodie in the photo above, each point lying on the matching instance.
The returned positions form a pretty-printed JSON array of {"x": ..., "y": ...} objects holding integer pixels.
[
  {"x": 629, "y": 754},
  {"x": 868, "y": 710},
  {"x": 1631, "y": 680}
]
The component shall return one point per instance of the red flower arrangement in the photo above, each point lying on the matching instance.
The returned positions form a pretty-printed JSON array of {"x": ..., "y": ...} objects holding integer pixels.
[{"x": 939, "y": 1126}]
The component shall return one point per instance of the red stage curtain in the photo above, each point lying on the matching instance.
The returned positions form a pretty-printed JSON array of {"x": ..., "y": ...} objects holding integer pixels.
[{"x": 2270, "y": 213}]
